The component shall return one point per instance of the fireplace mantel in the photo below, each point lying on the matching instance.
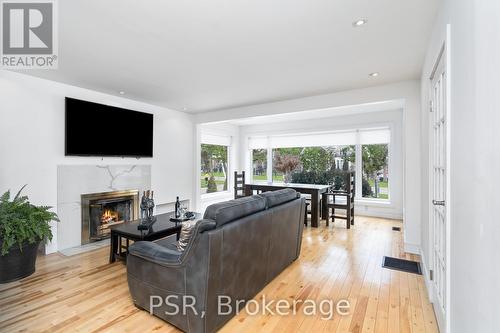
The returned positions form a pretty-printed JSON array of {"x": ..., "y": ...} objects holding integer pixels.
[{"x": 75, "y": 180}]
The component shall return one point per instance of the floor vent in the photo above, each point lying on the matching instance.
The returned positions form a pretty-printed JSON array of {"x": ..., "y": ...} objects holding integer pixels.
[
  {"x": 402, "y": 265},
  {"x": 396, "y": 228}
]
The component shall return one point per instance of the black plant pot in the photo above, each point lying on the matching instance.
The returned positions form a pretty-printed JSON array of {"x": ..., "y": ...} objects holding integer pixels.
[{"x": 18, "y": 264}]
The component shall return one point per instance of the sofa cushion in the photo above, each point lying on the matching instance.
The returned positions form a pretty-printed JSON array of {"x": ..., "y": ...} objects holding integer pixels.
[
  {"x": 224, "y": 212},
  {"x": 187, "y": 232},
  {"x": 275, "y": 198}
]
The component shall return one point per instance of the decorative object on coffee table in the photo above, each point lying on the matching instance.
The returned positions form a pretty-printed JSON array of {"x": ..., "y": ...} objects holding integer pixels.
[
  {"x": 185, "y": 216},
  {"x": 147, "y": 208},
  {"x": 177, "y": 208},
  {"x": 22, "y": 227}
]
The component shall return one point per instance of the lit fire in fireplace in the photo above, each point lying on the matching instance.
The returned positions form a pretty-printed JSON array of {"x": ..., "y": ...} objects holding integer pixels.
[{"x": 109, "y": 216}]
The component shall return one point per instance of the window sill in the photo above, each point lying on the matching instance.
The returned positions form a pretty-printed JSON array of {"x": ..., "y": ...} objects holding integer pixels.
[
  {"x": 260, "y": 181},
  {"x": 374, "y": 202}
]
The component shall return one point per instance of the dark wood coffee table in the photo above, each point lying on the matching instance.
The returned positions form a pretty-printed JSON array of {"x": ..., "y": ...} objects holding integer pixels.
[{"x": 162, "y": 228}]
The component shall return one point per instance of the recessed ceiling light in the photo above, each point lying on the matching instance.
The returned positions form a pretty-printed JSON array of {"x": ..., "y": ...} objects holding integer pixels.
[
  {"x": 121, "y": 92},
  {"x": 374, "y": 74},
  {"x": 359, "y": 22},
  {"x": 184, "y": 108}
]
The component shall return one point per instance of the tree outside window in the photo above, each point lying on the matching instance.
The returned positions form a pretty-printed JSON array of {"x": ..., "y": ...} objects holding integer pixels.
[
  {"x": 375, "y": 171},
  {"x": 259, "y": 164},
  {"x": 214, "y": 168},
  {"x": 318, "y": 165}
]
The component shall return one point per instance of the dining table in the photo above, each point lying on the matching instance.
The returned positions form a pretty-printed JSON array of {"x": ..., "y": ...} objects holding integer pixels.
[{"x": 314, "y": 190}]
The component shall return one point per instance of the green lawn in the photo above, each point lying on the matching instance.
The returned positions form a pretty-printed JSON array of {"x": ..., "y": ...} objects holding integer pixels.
[
  {"x": 264, "y": 177},
  {"x": 259, "y": 177},
  {"x": 204, "y": 183},
  {"x": 384, "y": 184},
  {"x": 216, "y": 174}
]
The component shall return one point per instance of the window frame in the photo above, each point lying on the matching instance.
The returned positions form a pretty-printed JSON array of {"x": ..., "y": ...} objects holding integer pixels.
[{"x": 229, "y": 176}]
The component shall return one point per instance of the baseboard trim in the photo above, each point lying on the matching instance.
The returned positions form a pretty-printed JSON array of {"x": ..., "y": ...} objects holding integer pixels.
[
  {"x": 425, "y": 273},
  {"x": 381, "y": 215},
  {"x": 412, "y": 248}
]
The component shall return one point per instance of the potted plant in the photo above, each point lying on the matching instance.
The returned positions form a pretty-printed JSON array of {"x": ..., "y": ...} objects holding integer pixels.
[{"x": 22, "y": 227}]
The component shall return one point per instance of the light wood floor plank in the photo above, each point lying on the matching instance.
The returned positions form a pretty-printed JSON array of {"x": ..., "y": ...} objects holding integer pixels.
[{"x": 83, "y": 293}]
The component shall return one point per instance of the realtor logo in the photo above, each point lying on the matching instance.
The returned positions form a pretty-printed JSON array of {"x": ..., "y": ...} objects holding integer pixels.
[{"x": 29, "y": 34}]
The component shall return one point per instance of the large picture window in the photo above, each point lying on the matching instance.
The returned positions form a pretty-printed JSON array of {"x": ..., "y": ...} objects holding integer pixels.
[
  {"x": 214, "y": 168},
  {"x": 324, "y": 157}
]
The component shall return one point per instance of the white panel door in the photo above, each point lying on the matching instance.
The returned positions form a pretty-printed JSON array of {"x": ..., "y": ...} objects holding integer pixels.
[{"x": 439, "y": 170}]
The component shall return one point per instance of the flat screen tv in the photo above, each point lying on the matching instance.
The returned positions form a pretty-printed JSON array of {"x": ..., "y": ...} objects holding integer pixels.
[{"x": 94, "y": 129}]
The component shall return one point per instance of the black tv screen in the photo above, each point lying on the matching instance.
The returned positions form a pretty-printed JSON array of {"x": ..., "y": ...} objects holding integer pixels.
[{"x": 94, "y": 129}]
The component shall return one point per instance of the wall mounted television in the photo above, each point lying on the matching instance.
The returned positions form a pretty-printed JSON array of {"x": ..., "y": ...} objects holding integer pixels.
[{"x": 94, "y": 129}]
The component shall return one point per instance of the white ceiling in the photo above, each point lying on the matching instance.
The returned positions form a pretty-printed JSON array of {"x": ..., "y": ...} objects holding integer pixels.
[
  {"x": 318, "y": 114},
  {"x": 207, "y": 55}
]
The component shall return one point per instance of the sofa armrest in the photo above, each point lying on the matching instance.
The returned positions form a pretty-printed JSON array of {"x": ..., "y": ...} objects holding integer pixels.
[
  {"x": 164, "y": 256},
  {"x": 205, "y": 225},
  {"x": 155, "y": 253}
]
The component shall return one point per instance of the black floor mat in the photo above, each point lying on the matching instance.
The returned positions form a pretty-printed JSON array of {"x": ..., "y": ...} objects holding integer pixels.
[{"x": 402, "y": 265}]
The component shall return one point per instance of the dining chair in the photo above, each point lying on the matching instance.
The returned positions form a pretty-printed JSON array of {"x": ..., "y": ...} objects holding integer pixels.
[{"x": 342, "y": 199}]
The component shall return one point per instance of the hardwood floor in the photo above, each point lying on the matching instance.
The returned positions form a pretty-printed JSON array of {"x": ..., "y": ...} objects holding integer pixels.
[{"x": 84, "y": 293}]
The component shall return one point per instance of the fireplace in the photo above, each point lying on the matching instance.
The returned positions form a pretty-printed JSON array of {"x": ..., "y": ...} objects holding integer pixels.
[{"x": 100, "y": 211}]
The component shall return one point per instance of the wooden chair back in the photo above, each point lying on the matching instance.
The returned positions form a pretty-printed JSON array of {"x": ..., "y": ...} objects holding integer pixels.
[
  {"x": 239, "y": 184},
  {"x": 347, "y": 194}
]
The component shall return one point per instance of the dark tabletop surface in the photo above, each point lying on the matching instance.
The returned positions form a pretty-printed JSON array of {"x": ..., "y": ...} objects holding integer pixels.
[
  {"x": 292, "y": 185},
  {"x": 162, "y": 225}
]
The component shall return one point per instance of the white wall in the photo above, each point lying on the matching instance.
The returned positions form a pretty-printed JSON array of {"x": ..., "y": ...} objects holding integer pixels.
[
  {"x": 392, "y": 119},
  {"x": 408, "y": 91},
  {"x": 475, "y": 160},
  {"x": 32, "y": 140}
]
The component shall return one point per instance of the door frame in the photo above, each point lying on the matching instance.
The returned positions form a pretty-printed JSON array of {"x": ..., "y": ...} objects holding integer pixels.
[{"x": 445, "y": 55}]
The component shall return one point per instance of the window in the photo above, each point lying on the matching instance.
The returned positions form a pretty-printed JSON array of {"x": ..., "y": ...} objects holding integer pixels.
[
  {"x": 322, "y": 157},
  {"x": 214, "y": 168},
  {"x": 375, "y": 171},
  {"x": 259, "y": 165}
]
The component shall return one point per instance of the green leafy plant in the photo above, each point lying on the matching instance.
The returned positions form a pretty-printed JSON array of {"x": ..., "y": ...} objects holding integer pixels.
[{"x": 21, "y": 222}]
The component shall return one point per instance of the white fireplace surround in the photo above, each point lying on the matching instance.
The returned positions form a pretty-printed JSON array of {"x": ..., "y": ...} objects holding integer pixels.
[{"x": 75, "y": 180}]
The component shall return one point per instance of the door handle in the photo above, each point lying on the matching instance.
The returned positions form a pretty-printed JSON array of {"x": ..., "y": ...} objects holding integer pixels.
[{"x": 438, "y": 202}]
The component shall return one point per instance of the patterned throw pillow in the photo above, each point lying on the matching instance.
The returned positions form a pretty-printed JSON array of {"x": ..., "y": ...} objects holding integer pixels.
[{"x": 187, "y": 229}]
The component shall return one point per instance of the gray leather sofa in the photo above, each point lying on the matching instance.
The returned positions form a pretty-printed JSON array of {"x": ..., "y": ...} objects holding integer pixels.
[{"x": 236, "y": 250}]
